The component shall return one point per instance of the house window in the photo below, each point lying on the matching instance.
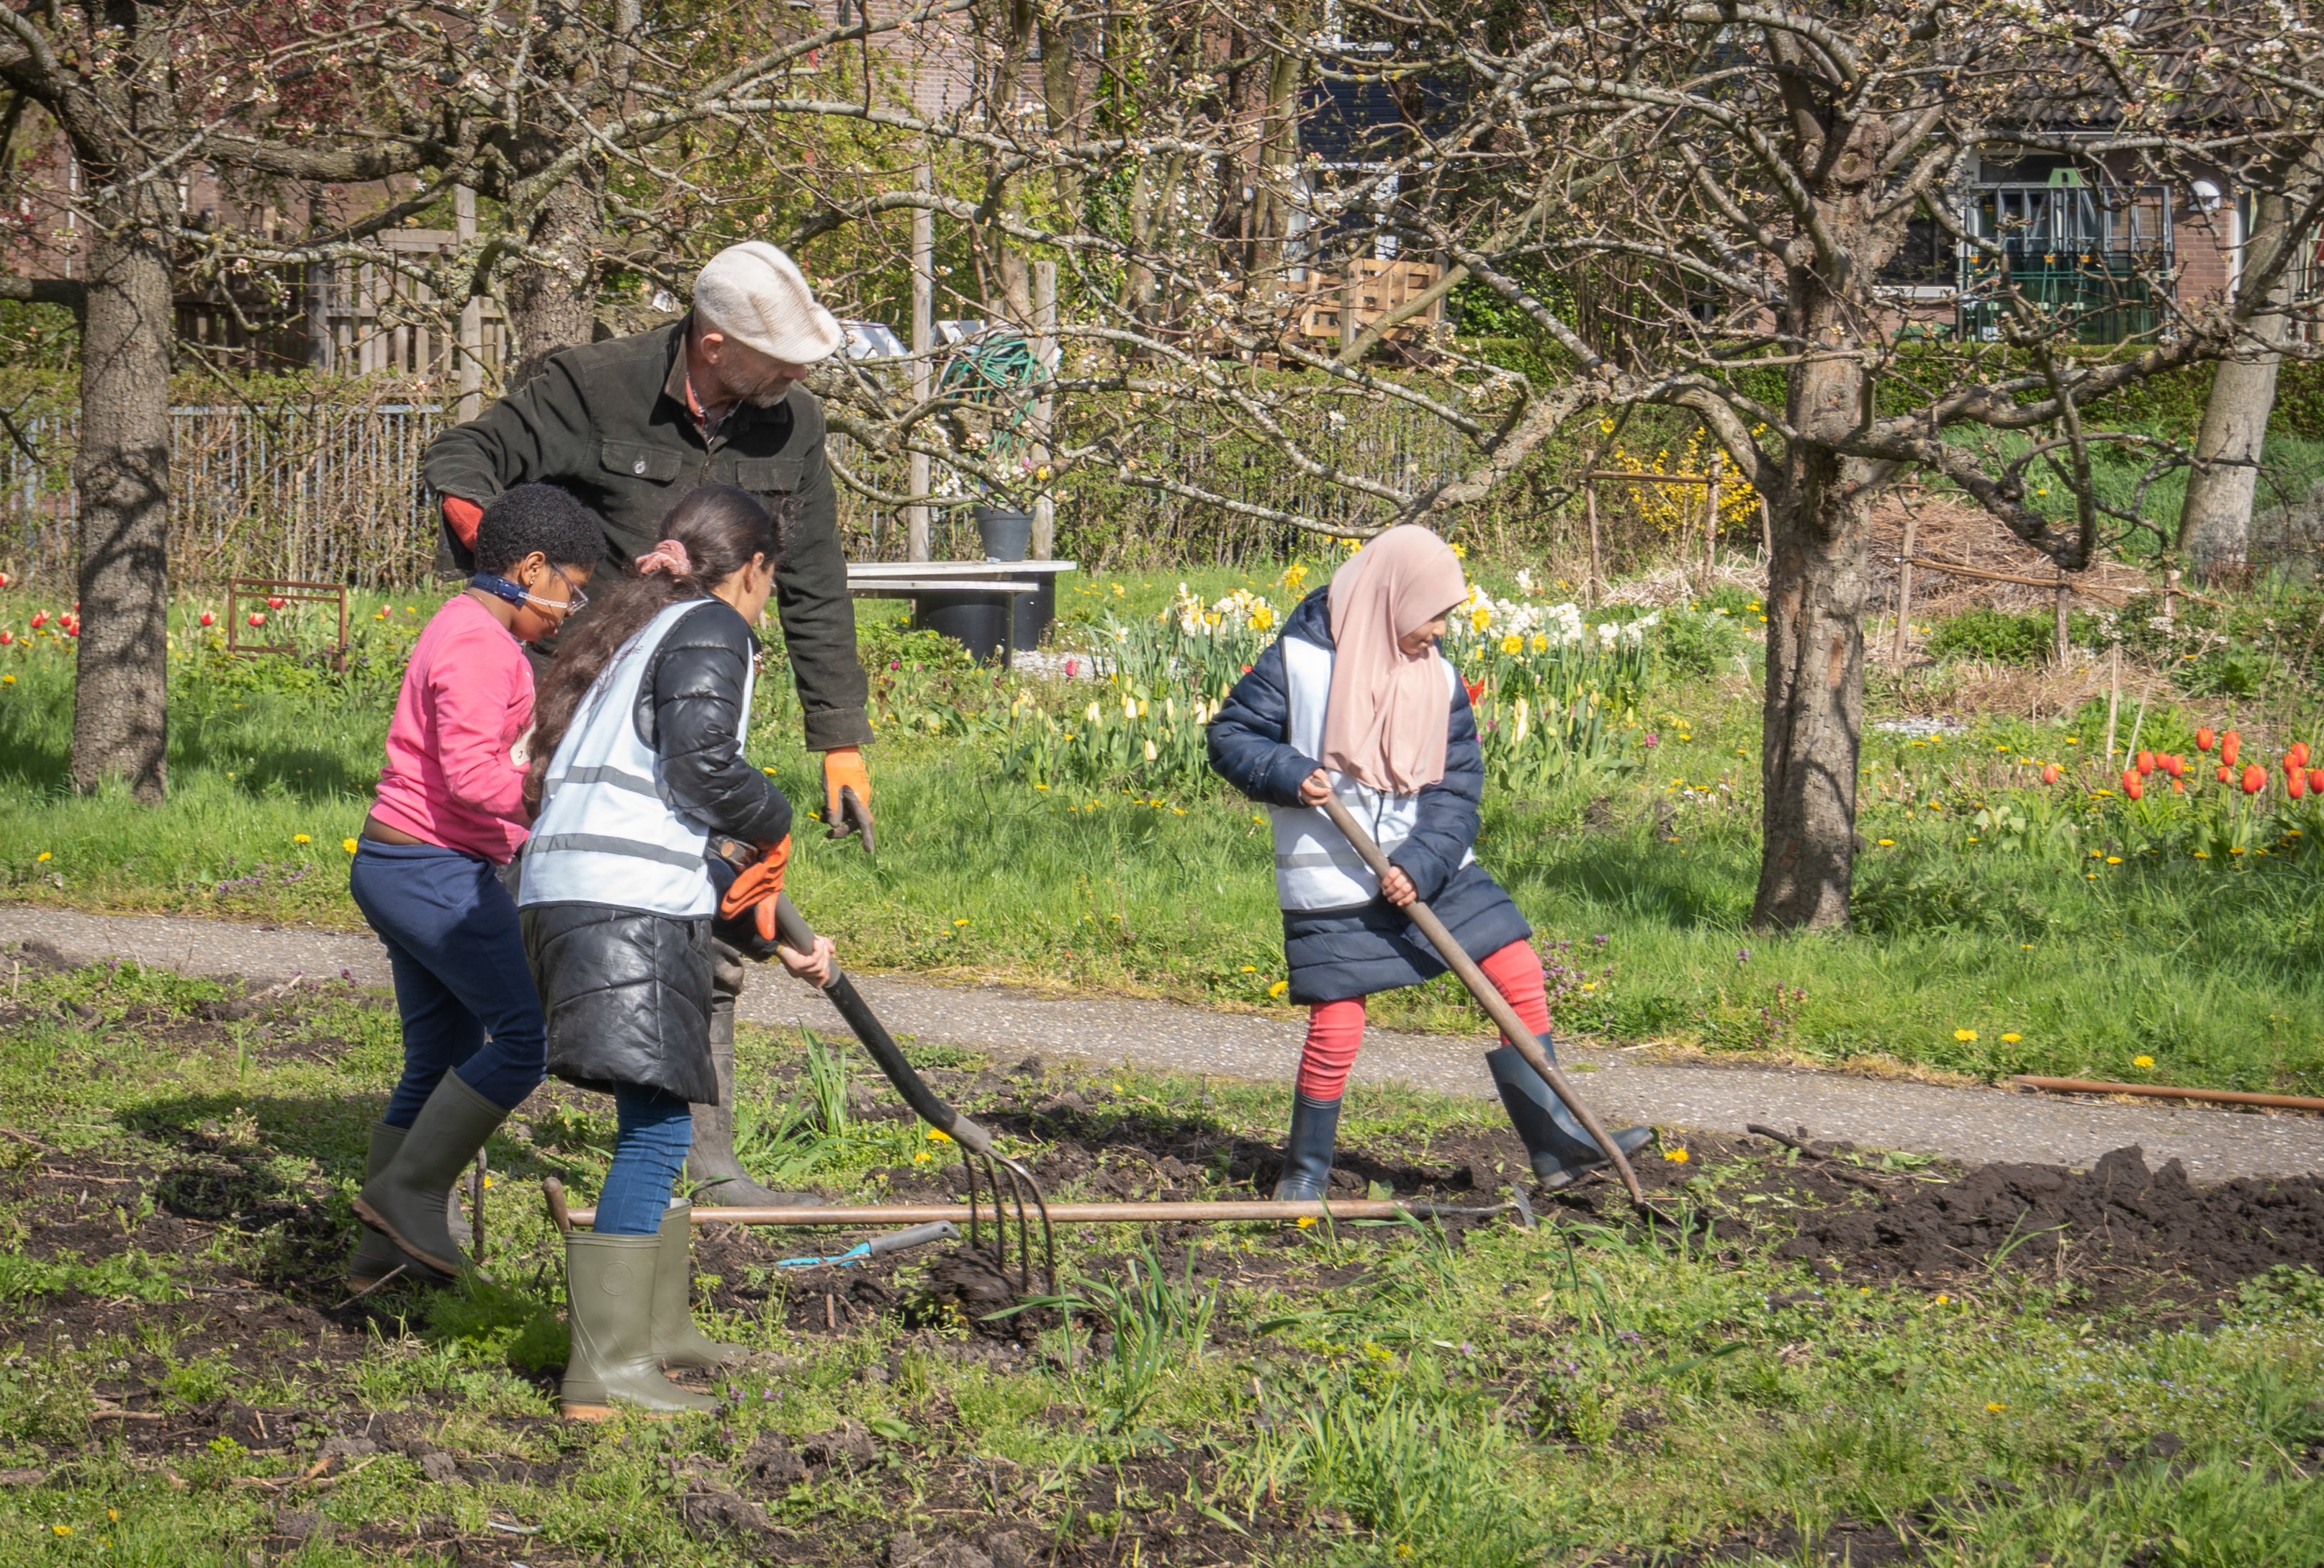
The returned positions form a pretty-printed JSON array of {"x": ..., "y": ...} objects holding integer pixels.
[{"x": 1924, "y": 260}]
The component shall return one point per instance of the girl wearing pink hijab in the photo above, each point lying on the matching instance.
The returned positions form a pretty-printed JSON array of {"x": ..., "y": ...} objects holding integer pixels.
[{"x": 1354, "y": 700}]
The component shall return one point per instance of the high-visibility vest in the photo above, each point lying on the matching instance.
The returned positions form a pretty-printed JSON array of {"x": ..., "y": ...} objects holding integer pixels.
[
  {"x": 1315, "y": 867},
  {"x": 609, "y": 831}
]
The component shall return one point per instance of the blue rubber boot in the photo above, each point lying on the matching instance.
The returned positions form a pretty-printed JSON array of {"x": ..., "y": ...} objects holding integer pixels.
[
  {"x": 1560, "y": 1149},
  {"x": 1307, "y": 1149}
]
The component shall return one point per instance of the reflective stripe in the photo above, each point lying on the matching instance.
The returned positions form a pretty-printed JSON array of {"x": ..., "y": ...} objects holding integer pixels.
[
  {"x": 1316, "y": 868},
  {"x": 613, "y": 777},
  {"x": 598, "y": 843}
]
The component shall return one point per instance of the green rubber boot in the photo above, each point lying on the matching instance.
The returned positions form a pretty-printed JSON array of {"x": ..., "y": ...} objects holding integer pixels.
[
  {"x": 678, "y": 1342},
  {"x": 409, "y": 1198},
  {"x": 376, "y": 1256},
  {"x": 609, "y": 1292}
]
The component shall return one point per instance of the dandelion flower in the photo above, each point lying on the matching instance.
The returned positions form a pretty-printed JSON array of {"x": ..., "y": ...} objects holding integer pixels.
[
  {"x": 1251, "y": 969},
  {"x": 1887, "y": 843},
  {"x": 1305, "y": 1221},
  {"x": 2142, "y": 1061},
  {"x": 302, "y": 838},
  {"x": 349, "y": 845},
  {"x": 936, "y": 1135},
  {"x": 1995, "y": 1407},
  {"x": 1279, "y": 987},
  {"x": 2113, "y": 860},
  {"x": 41, "y": 856},
  {"x": 1965, "y": 1035},
  {"x": 1942, "y": 1298},
  {"x": 1676, "y": 1155},
  {"x": 2011, "y": 1040},
  {"x": 956, "y": 924}
]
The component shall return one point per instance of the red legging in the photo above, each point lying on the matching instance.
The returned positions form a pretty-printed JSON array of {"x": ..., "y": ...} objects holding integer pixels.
[{"x": 1335, "y": 1029}]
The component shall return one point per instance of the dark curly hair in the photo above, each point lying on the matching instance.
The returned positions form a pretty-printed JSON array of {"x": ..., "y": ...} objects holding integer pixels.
[
  {"x": 538, "y": 517},
  {"x": 722, "y": 528}
]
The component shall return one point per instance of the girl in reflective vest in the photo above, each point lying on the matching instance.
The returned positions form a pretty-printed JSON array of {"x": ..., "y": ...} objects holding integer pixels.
[
  {"x": 637, "y": 760},
  {"x": 1354, "y": 700}
]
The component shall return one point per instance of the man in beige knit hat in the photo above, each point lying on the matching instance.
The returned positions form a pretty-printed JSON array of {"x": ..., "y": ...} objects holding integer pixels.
[{"x": 630, "y": 424}]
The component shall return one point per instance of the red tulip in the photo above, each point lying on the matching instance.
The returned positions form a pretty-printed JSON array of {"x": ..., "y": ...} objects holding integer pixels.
[
  {"x": 7, "y": 638},
  {"x": 2295, "y": 784},
  {"x": 2177, "y": 787},
  {"x": 208, "y": 619},
  {"x": 4, "y": 580},
  {"x": 2049, "y": 774},
  {"x": 272, "y": 604},
  {"x": 2316, "y": 780},
  {"x": 2255, "y": 779},
  {"x": 2133, "y": 785},
  {"x": 2226, "y": 773},
  {"x": 2145, "y": 763},
  {"x": 2300, "y": 750},
  {"x": 2175, "y": 765},
  {"x": 257, "y": 619},
  {"x": 2229, "y": 745},
  {"x": 1476, "y": 690},
  {"x": 2204, "y": 739},
  {"x": 40, "y": 619}
]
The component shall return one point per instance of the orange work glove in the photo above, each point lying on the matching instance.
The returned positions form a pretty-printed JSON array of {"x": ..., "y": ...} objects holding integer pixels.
[
  {"x": 463, "y": 516},
  {"x": 843, "y": 769},
  {"x": 758, "y": 885}
]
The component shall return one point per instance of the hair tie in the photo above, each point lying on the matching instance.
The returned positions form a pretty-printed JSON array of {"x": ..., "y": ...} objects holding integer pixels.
[{"x": 669, "y": 556}]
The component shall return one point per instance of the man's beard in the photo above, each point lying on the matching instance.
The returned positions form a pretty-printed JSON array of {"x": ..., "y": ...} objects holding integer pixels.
[{"x": 770, "y": 395}]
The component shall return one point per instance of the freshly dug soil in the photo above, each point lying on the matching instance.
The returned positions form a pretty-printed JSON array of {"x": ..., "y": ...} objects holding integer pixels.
[{"x": 2115, "y": 1227}]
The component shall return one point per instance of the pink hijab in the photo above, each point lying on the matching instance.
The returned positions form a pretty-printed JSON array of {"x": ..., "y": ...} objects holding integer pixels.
[{"x": 1386, "y": 720}]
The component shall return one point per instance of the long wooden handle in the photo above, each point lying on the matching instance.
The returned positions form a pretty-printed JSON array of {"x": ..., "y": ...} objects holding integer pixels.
[{"x": 1488, "y": 995}]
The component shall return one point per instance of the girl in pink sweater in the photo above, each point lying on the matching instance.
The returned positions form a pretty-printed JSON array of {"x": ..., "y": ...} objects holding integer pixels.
[{"x": 449, "y": 816}]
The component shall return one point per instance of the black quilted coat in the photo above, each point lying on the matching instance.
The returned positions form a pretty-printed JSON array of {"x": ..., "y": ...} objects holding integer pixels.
[
  {"x": 628, "y": 992},
  {"x": 1335, "y": 953}
]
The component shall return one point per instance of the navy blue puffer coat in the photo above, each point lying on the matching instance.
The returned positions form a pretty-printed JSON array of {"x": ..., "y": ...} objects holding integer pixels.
[{"x": 1334, "y": 954}]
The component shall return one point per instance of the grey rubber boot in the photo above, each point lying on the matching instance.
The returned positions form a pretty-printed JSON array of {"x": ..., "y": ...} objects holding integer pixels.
[
  {"x": 1307, "y": 1148},
  {"x": 609, "y": 1294},
  {"x": 407, "y": 1198},
  {"x": 376, "y": 1256},
  {"x": 717, "y": 1178},
  {"x": 1561, "y": 1147},
  {"x": 678, "y": 1342}
]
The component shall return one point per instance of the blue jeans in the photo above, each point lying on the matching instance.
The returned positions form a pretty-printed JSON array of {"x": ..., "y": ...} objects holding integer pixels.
[
  {"x": 649, "y": 1150},
  {"x": 460, "y": 973}
]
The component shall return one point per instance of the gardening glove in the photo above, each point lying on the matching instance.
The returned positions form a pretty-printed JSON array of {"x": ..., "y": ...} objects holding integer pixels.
[
  {"x": 462, "y": 517},
  {"x": 757, "y": 887},
  {"x": 846, "y": 794}
]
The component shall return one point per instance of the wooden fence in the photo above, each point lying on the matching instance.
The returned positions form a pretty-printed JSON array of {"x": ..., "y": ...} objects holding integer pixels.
[{"x": 330, "y": 492}]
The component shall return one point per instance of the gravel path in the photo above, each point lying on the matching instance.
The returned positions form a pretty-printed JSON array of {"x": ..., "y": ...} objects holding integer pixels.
[{"x": 1975, "y": 1125}]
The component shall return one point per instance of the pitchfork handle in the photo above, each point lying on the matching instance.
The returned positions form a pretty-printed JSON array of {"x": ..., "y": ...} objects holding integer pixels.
[
  {"x": 1486, "y": 994},
  {"x": 792, "y": 929}
]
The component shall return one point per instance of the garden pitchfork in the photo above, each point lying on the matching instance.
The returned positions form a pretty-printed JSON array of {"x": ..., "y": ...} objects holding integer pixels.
[
  {"x": 1489, "y": 996},
  {"x": 976, "y": 1146}
]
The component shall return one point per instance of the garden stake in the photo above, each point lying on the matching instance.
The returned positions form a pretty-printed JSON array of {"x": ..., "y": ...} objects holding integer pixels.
[
  {"x": 1489, "y": 996},
  {"x": 975, "y": 1143}
]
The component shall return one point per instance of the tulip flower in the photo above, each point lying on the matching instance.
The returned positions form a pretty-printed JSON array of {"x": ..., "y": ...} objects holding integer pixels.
[
  {"x": 2226, "y": 773},
  {"x": 4, "y": 580},
  {"x": 2229, "y": 745},
  {"x": 208, "y": 619},
  {"x": 273, "y": 603},
  {"x": 2175, "y": 765},
  {"x": 2133, "y": 785},
  {"x": 2300, "y": 750},
  {"x": 2316, "y": 780},
  {"x": 257, "y": 619},
  {"x": 2295, "y": 783},
  {"x": 2204, "y": 739},
  {"x": 2145, "y": 763},
  {"x": 2049, "y": 774},
  {"x": 40, "y": 619},
  {"x": 2255, "y": 779},
  {"x": 7, "y": 638},
  {"x": 2177, "y": 787}
]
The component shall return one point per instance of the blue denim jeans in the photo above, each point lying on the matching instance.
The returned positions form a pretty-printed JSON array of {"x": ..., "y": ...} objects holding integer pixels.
[
  {"x": 649, "y": 1152},
  {"x": 462, "y": 981}
]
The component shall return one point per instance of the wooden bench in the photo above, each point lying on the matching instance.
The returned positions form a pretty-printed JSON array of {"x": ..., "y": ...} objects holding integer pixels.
[{"x": 1001, "y": 581}]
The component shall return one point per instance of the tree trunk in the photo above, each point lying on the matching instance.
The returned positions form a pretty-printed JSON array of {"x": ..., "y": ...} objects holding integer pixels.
[
  {"x": 553, "y": 305},
  {"x": 2214, "y": 520},
  {"x": 122, "y": 665}
]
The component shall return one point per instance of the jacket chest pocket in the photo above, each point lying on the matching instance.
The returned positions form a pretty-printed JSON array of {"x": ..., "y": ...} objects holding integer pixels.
[
  {"x": 634, "y": 460},
  {"x": 766, "y": 475}
]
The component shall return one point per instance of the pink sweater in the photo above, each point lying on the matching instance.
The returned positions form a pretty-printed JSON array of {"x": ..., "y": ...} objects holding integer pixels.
[{"x": 467, "y": 698}]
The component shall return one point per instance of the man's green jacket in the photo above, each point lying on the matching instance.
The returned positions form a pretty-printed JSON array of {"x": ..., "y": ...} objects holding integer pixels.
[{"x": 610, "y": 423}]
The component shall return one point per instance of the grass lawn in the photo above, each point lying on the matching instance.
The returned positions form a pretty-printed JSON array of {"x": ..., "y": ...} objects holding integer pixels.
[
  {"x": 180, "y": 1382},
  {"x": 2002, "y": 926}
]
